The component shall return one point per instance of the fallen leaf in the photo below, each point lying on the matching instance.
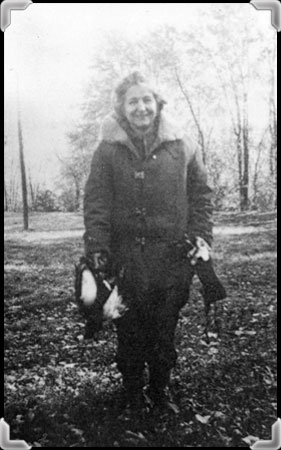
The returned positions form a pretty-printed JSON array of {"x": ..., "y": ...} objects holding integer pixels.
[
  {"x": 202, "y": 419},
  {"x": 213, "y": 351},
  {"x": 212, "y": 335},
  {"x": 174, "y": 407},
  {"x": 250, "y": 439},
  {"x": 132, "y": 435},
  {"x": 219, "y": 415},
  {"x": 238, "y": 332},
  {"x": 30, "y": 415},
  {"x": 77, "y": 431}
]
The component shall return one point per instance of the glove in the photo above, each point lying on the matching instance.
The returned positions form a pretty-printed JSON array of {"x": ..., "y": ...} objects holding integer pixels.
[{"x": 200, "y": 250}]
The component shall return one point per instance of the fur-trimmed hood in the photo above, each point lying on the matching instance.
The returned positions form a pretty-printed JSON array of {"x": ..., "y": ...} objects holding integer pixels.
[{"x": 111, "y": 131}]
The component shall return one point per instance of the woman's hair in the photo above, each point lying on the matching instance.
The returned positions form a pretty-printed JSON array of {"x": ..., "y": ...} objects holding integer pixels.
[{"x": 122, "y": 87}]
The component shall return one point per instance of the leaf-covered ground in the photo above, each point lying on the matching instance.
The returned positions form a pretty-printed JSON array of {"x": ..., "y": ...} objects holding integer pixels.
[{"x": 62, "y": 392}]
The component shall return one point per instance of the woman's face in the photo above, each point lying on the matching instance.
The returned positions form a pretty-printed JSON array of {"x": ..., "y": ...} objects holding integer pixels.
[{"x": 140, "y": 107}]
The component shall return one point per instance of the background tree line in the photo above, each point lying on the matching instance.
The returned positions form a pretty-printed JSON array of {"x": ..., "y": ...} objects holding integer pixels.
[{"x": 220, "y": 84}]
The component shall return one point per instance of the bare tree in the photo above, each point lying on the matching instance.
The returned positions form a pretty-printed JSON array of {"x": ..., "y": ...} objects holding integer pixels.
[
  {"x": 6, "y": 201},
  {"x": 23, "y": 176},
  {"x": 273, "y": 124},
  {"x": 201, "y": 137},
  {"x": 260, "y": 147}
]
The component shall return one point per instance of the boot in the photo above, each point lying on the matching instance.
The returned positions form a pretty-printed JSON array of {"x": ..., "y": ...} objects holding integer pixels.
[
  {"x": 133, "y": 387},
  {"x": 158, "y": 391},
  {"x": 130, "y": 400},
  {"x": 161, "y": 400}
]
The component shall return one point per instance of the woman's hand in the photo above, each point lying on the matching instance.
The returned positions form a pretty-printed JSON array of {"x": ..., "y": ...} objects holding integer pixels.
[{"x": 200, "y": 250}]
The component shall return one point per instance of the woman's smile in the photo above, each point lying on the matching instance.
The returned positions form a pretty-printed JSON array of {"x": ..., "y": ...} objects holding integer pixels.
[{"x": 140, "y": 107}]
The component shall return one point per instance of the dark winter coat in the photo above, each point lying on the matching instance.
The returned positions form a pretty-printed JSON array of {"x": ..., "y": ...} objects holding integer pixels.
[{"x": 139, "y": 210}]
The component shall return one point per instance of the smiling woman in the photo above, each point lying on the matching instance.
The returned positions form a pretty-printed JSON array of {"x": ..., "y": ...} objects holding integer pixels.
[
  {"x": 140, "y": 108},
  {"x": 146, "y": 191},
  {"x": 138, "y": 105}
]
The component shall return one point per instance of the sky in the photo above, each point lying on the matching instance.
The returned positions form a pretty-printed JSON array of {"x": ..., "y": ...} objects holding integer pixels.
[{"x": 48, "y": 49}]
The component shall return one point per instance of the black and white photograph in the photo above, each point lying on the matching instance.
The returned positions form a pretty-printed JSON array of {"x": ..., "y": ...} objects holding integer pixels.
[{"x": 140, "y": 225}]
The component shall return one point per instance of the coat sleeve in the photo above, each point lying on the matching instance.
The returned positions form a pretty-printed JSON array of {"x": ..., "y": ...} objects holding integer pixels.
[
  {"x": 98, "y": 200},
  {"x": 200, "y": 200}
]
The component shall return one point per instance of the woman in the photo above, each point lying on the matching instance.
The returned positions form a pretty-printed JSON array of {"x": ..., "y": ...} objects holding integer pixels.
[{"x": 146, "y": 192}]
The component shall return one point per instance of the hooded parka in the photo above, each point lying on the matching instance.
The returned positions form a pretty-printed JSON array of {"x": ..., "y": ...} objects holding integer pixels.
[
  {"x": 141, "y": 199},
  {"x": 138, "y": 210}
]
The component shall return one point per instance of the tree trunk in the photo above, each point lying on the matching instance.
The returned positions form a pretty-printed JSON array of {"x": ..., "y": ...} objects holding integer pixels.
[
  {"x": 273, "y": 122},
  {"x": 6, "y": 205},
  {"x": 201, "y": 139},
  {"x": 245, "y": 178},
  {"x": 238, "y": 133},
  {"x": 31, "y": 192},
  {"x": 23, "y": 178},
  {"x": 256, "y": 169},
  {"x": 77, "y": 196},
  {"x": 273, "y": 142}
]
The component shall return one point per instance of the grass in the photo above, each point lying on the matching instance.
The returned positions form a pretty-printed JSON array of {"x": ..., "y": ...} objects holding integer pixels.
[{"x": 61, "y": 391}]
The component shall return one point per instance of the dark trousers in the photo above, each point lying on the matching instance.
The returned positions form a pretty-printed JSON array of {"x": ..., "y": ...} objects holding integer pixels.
[{"x": 146, "y": 335}]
